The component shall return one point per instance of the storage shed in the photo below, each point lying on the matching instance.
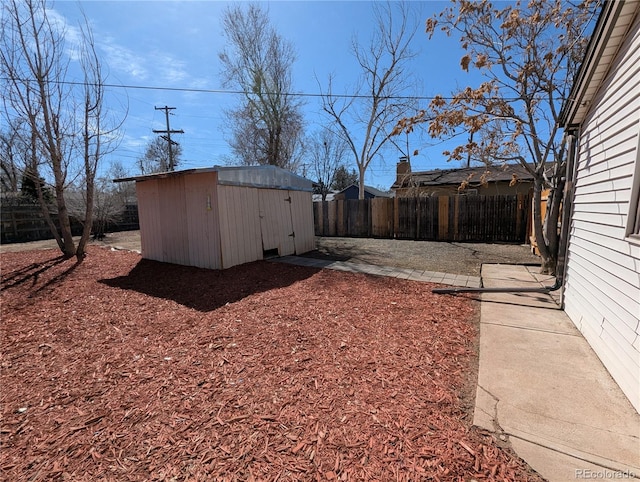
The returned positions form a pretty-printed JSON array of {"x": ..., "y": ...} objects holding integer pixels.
[{"x": 224, "y": 216}]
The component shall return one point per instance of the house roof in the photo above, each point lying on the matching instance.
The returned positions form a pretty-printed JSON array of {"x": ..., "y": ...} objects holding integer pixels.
[
  {"x": 608, "y": 35},
  {"x": 318, "y": 197},
  {"x": 249, "y": 176},
  {"x": 444, "y": 177},
  {"x": 369, "y": 189}
]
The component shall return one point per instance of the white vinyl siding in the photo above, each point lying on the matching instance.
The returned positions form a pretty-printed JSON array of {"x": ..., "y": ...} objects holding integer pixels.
[
  {"x": 633, "y": 222},
  {"x": 602, "y": 292}
]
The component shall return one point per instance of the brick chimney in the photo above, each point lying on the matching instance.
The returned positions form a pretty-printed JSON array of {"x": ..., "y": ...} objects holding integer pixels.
[{"x": 403, "y": 169}]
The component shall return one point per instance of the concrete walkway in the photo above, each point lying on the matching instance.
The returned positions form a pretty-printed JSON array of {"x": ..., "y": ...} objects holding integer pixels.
[
  {"x": 402, "y": 273},
  {"x": 540, "y": 385}
]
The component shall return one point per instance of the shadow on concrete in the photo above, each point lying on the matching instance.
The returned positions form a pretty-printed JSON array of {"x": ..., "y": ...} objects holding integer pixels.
[{"x": 205, "y": 289}]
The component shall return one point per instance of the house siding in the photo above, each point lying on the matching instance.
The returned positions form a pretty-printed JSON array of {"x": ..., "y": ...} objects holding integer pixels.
[{"x": 602, "y": 291}]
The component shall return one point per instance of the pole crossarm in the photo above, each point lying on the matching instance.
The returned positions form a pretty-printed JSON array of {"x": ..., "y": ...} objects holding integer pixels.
[{"x": 168, "y": 131}]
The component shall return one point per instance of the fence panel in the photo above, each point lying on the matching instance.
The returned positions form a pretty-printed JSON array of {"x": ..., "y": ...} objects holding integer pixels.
[
  {"x": 382, "y": 217},
  {"x": 407, "y": 225},
  {"x": 358, "y": 218},
  {"x": 445, "y": 218},
  {"x": 22, "y": 221}
]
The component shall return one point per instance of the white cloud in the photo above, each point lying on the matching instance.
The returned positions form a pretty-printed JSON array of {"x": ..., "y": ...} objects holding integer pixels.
[
  {"x": 123, "y": 59},
  {"x": 72, "y": 34},
  {"x": 171, "y": 69}
]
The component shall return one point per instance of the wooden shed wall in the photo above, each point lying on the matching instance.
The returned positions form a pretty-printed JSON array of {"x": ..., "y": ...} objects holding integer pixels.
[
  {"x": 302, "y": 218},
  {"x": 239, "y": 214},
  {"x": 192, "y": 220},
  {"x": 149, "y": 218},
  {"x": 203, "y": 222},
  {"x": 602, "y": 294},
  {"x": 275, "y": 221},
  {"x": 173, "y": 222},
  {"x": 176, "y": 223}
]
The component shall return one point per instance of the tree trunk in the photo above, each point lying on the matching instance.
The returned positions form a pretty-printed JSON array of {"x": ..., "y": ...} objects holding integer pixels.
[
  {"x": 550, "y": 227},
  {"x": 41, "y": 201},
  {"x": 88, "y": 223},
  {"x": 361, "y": 171},
  {"x": 548, "y": 265},
  {"x": 47, "y": 217},
  {"x": 68, "y": 248}
]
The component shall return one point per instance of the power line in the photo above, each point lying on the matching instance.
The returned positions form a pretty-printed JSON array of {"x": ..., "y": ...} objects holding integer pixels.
[{"x": 242, "y": 92}]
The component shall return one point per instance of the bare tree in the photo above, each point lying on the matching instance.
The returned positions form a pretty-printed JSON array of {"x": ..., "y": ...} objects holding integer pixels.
[
  {"x": 68, "y": 128},
  {"x": 13, "y": 157},
  {"x": 156, "y": 156},
  {"x": 251, "y": 139},
  {"x": 109, "y": 200},
  {"x": 326, "y": 152},
  {"x": 267, "y": 126},
  {"x": 529, "y": 53},
  {"x": 366, "y": 119},
  {"x": 125, "y": 192}
]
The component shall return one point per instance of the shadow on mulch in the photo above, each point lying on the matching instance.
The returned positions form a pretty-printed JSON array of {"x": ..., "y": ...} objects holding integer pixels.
[
  {"x": 32, "y": 273},
  {"x": 205, "y": 289}
]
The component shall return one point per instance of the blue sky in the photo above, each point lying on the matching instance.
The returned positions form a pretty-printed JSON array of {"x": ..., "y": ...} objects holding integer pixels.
[{"x": 175, "y": 45}]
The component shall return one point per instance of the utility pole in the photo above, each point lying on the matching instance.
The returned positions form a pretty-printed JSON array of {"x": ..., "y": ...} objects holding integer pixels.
[{"x": 168, "y": 133}]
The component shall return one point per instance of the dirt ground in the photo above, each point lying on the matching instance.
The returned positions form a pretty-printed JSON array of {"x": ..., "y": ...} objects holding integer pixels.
[
  {"x": 454, "y": 258},
  {"x": 127, "y": 240},
  {"x": 121, "y": 368}
]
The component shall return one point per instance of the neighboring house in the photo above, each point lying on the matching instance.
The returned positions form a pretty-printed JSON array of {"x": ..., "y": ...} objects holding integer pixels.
[
  {"x": 224, "y": 216},
  {"x": 491, "y": 181},
  {"x": 352, "y": 192},
  {"x": 329, "y": 197},
  {"x": 602, "y": 273}
]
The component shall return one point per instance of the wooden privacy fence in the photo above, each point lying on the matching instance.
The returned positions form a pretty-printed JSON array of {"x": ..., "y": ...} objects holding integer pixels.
[
  {"x": 484, "y": 219},
  {"x": 22, "y": 221}
]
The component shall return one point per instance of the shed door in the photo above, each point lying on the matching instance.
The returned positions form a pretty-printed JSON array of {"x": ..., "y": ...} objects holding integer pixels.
[{"x": 275, "y": 221}]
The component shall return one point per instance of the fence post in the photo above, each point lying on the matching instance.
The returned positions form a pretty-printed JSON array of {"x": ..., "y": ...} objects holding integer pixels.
[
  {"x": 456, "y": 217},
  {"x": 396, "y": 217},
  {"x": 317, "y": 218},
  {"x": 443, "y": 217}
]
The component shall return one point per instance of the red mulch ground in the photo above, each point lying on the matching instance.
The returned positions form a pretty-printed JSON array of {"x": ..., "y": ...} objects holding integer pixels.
[{"x": 128, "y": 369}]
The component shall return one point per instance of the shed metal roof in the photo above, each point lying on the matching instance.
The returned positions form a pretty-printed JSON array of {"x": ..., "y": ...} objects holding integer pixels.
[{"x": 264, "y": 177}]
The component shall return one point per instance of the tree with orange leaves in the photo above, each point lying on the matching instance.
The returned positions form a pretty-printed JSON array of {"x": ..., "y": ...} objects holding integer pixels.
[{"x": 528, "y": 54}]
